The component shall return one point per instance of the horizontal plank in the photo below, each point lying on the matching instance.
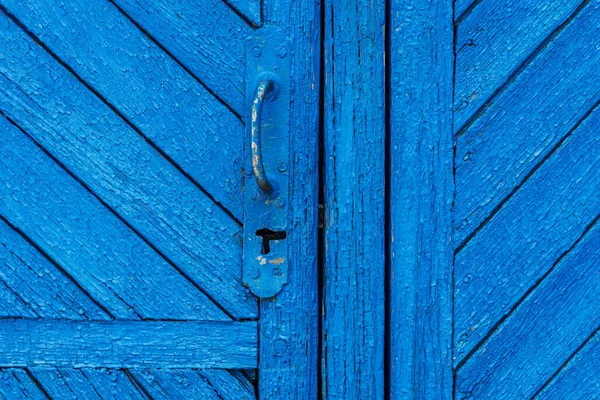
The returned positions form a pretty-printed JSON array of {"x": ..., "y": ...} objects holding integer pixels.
[
  {"x": 579, "y": 379},
  {"x": 119, "y": 166},
  {"x": 527, "y": 236},
  {"x": 148, "y": 88},
  {"x": 16, "y": 384},
  {"x": 491, "y": 44},
  {"x": 108, "y": 260},
  {"x": 214, "y": 384},
  {"x": 32, "y": 286},
  {"x": 128, "y": 344},
  {"x": 540, "y": 336},
  {"x": 527, "y": 120},
  {"x": 206, "y": 36},
  {"x": 87, "y": 383}
]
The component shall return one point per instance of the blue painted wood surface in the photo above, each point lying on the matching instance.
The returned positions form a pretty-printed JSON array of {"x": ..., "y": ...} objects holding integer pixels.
[
  {"x": 421, "y": 191},
  {"x": 526, "y": 310},
  {"x": 120, "y": 203},
  {"x": 354, "y": 173},
  {"x": 289, "y": 323}
]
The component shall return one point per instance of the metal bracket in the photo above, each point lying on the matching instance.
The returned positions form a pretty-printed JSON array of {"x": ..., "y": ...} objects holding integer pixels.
[{"x": 266, "y": 171}]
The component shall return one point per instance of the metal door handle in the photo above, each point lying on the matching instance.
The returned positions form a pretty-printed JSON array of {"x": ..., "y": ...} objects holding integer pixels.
[{"x": 265, "y": 90}]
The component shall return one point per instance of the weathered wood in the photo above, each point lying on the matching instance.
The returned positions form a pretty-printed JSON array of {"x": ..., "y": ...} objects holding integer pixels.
[
  {"x": 215, "y": 384},
  {"x": 526, "y": 121},
  {"x": 16, "y": 384},
  {"x": 579, "y": 379},
  {"x": 289, "y": 322},
  {"x": 354, "y": 174},
  {"x": 32, "y": 286},
  {"x": 86, "y": 383},
  {"x": 543, "y": 332},
  {"x": 109, "y": 261},
  {"x": 494, "y": 41},
  {"x": 119, "y": 166},
  {"x": 421, "y": 192},
  {"x": 249, "y": 9},
  {"x": 146, "y": 86},
  {"x": 527, "y": 236},
  {"x": 129, "y": 344},
  {"x": 205, "y": 36}
]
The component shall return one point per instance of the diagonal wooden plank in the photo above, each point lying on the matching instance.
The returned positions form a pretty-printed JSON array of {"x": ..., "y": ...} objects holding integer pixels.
[
  {"x": 526, "y": 121},
  {"x": 205, "y": 36},
  {"x": 15, "y": 383},
  {"x": 146, "y": 86},
  {"x": 493, "y": 41},
  {"x": 129, "y": 344},
  {"x": 215, "y": 384},
  {"x": 526, "y": 350},
  {"x": 45, "y": 291},
  {"x": 118, "y": 165},
  {"x": 579, "y": 379},
  {"x": 250, "y": 10},
  {"x": 86, "y": 383},
  {"x": 463, "y": 7},
  {"x": 106, "y": 258},
  {"x": 527, "y": 236}
]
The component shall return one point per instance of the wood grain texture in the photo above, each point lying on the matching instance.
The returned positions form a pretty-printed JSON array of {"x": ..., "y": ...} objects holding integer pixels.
[
  {"x": 354, "y": 172},
  {"x": 206, "y": 36},
  {"x": 289, "y": 322},
  {"x": 549, "y": 326},
  {"x": 87, "y": 383},
  {"x": 17, "y": 384},
  {"x": 421, "y": 192},
  {"x": 493, "y": 42},
  {"x": 249, "y": 9},
  {"x": 527, "y": 236},
  {"x": 120, "y": 167},
  {"x": 462, "y": 6},
  {"x": 214, "y": 384},
  {"x": 107, "y": 259},
  {"x": 579, "y": 379},
  {"x": 146, "y": 86},
  {"x": 129, "y": 344},
  {"x": 543, "y": 104},
  {"x": 31, "y": 286}
]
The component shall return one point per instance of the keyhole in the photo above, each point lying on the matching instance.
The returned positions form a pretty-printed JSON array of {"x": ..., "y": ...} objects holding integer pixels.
[{"x": 268, "y": 235}]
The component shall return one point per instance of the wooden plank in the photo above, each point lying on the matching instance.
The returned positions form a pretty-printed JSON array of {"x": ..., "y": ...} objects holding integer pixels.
[
  {"x": 33, "y": 286},
  {"x": 354, "y": 174},
  {"x": 129, "y": 344},
  {"x": 250, "y": 9},
  {"x": 527, "y": 236},
  {"x": 146, "y": 86},
  {"x": 109, "y": 261},
  {"x": 87, "y": 383},
  {"x": 215, "y": 384},
  {"x": 579, "y": 379},
  {"x": 526, "y": 121},
  {"x": 206, "y": 36},
  {"x": 493, "y": 42},
  {"x": 421, "y": 192},
  {"x": 462, "y": 6},
  {"x": 118, "y": 165},
  {"x": 543, "y": 332},
  {"x": 17, "y": 384},
  {"x": 289, "y": 322}
]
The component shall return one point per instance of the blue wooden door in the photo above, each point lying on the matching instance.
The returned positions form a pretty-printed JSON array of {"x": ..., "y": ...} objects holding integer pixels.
[
  {"x": 527, "y": 243},
  {"x": 122, "y": 183}
]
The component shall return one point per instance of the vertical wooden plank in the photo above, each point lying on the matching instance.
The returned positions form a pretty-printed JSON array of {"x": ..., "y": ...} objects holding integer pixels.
[
  {"x": 289, "y": 322},
  {"x": 354, "y": 172},
  {"x": 421, "y": 193}
]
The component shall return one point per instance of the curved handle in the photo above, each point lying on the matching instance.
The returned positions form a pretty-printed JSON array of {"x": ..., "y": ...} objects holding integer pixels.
[{"x": 265, "y": 89}]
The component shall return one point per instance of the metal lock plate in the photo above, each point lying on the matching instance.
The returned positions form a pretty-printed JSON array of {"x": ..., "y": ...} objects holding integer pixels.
[{"x": 266, "y": 171}]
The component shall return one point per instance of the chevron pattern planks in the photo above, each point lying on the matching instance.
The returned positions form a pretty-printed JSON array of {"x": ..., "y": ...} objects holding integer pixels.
[
  {"x": 121, "y": 200},
  {"x": 527, "y": 249}
]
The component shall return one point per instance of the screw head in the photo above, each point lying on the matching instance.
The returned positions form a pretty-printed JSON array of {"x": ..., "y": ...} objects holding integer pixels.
[
  {"x": 280, "y": 346},
  {"x": 281, "y": 166},
  {"x": 278, "y": 273},
  {"x": 256, "y": 51}
]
